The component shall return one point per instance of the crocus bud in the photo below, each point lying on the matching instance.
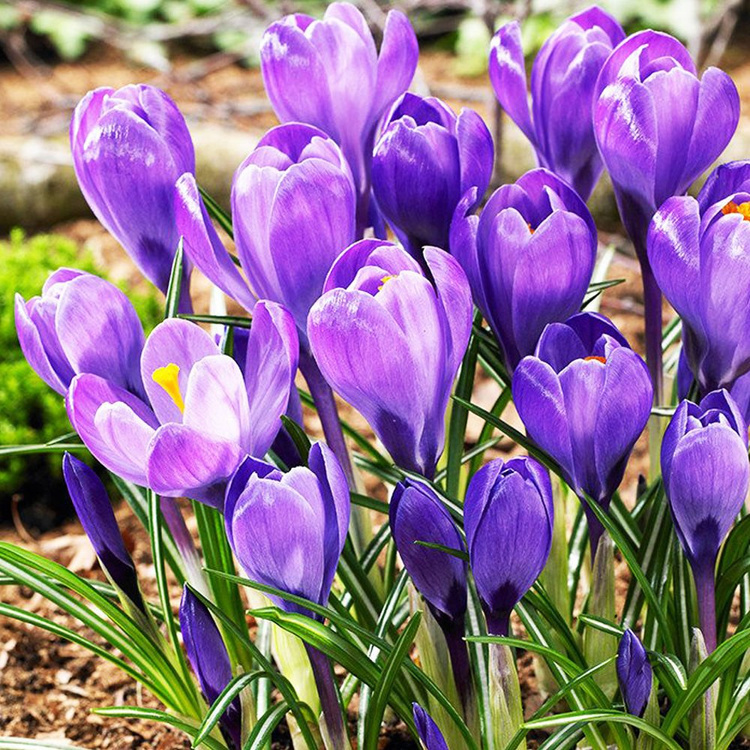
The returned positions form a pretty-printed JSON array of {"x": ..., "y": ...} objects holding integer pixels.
[
  {"x": 94, "y": 510},
  {"x": 209, "y": 659},
  {"x": 658, "y": 126},
  {"x": 429, "y": 734},
  {"x": 584, "y": 398},
  {"x": 202, "y": 416},
  {"x": 508, "y": 518},
  {"x": 563, "y": 80},
  {"x": 417, "y": 515},
  {"x": 697, "y": 252},
  {"x": 633, "y": 673},
  {"x": 288, "y": 530},
  {"x": 293, "y": 206},
  {"x": 706, "y": 473},
  {"x": 81, "y": 323},
  {"x": 537, "y": 223},
  {"x": 328, "y": 73},
  {"x": 425, "y": 160},
  {"x": 129, "y": 147},
  {"x": 390, "y": 342}
]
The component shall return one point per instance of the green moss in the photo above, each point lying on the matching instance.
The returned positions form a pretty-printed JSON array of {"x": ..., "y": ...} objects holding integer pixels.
[{"x": 30, "y": 411}]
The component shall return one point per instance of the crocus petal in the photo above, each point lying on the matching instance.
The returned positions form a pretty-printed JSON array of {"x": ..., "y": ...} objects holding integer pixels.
[
  {"x": 202, "y": 243},
  {"x": 429, "y": 734},
  {"x": 726, "y": 179},
  {"x": 115, "y": 425},
  {"x": 397, "y": 61},
  {"x": 508, "y": 77},
  {"x": 185, "y": 461},
  {"x": 477, "y": 152}
]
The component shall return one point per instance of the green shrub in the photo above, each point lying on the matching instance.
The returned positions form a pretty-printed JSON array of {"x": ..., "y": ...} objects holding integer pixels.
[{"x": 30, "y": 411}]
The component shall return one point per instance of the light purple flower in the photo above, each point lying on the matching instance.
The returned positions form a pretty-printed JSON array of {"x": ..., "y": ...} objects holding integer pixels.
[
  {"x": 328, "y": 73},
  {"x": 659, "y": 126},
  {"x": 288, "y": 530},
  {"x": 508, "y": 517},
  {"x": 563, "y": 79},
  {"x": 129, "y": 147},
  {"x": 390, "y": 342},
  {"x": 699, "y": 250},
  {"x": 585, "y": 398},
  {"x": 201, "y": 417},
  {"x": 81, "y": 323},
  {"x": 529, "y": 257},
  {"x": 706, "y": 475},
  {"x": 424, "y": 161}
]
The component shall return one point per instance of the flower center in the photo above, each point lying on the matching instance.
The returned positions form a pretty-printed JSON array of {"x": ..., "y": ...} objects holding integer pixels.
[
  {"x": 386, "y": 279},
  {"x": 734, "y": 208},
  {"x": 603, "y": 360},
  {"x": 531, "y": 229},
  {"x": 166, "y": 377}
]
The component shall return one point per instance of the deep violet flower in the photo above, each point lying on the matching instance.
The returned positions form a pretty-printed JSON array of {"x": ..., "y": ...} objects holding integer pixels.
[
  {"x": 429, "y": 734},
  {"x": 634, "y": 673}
]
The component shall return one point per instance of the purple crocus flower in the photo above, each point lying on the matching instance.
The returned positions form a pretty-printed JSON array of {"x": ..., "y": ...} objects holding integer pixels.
[
  {"x": 328, "y": 73},
  {"x": 698, "y": 250},
  {"x": 563, "y": 80},
  {"x": 81, "y": 323},
  {"x": 209, "y": 659},
  {"x": 706, "y": 474},
  {"x": 293, "y": 206},
  {"x": 658, "y": 127},
  {"x": 288, "y": 530},
  {"x": 508, "y": 518},
  {"x": 129, "y": 147},
  {"x": 94, "y": 510},
  {"x": 633, "y": 673},
  {"x": 390, "y": 342},
  {"x": 201, "y": 418},
  {"x": 584, "y": 398},
  {"x": 529, "y": 257},
  {"x": 425, "y": 160},
  {"x": 429, "y": 734},
  {"x": 417, "y": 515}
]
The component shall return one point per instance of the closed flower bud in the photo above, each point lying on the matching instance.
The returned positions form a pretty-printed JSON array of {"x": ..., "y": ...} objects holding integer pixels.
[
  {"x": 633, "y": 673},
  {"x": 429, "y": 734},
  {"x": 508, "y": 517}
]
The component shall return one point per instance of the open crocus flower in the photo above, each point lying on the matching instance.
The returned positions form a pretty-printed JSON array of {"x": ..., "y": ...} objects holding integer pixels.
[
  {"x": 706, "y": 474},
  {"x": 293, "y": 208},
  {"x": 584, "y": 398},
  {"x": 563, "y": 79},
  {"x": 529, "y": 257},
  {"x": 425, "y": 160},
  {"x": 658, "y": 125},
  {"x": 81, "y": 323},
  {"x": 508, "y": 517},
  {"x": 390, "y": 342},
  {"x": 201, "y": 416},
  {"x": 698, "y": 250},
  {"x": 328, "y": 73},
  {"x": 129, "y": 146}
]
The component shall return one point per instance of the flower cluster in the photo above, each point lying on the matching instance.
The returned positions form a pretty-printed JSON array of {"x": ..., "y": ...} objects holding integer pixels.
[{"x": 391, "y": 329}]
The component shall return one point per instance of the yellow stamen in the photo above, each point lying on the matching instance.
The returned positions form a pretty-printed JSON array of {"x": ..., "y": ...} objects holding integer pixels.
[
  {"x": 734, "y": 208},
  {"x": 386, "y": 279},
  {"x": 166, "y": 377},
  {"x": 595, "y": 359}
]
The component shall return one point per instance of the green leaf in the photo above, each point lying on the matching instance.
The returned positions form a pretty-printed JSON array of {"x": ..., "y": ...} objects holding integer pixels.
[
  {"x": 175, "y": 283},
  {"x": 220, "y": 320},
  {"x": 460, "y": 554},
  {"x": 232, "y": 689},
  {"x": 599, "y": 623},
  {"x": 261, "y": 734},
  {"x": 383, "y": 690},
  {"x": 219, "y": 215},
  {"x": 299, "y": 438}
]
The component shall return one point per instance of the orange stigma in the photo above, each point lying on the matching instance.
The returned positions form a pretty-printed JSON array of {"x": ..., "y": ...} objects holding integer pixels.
[
  {"x": 531, "y": 229},
  {"x": 733, "y": 208},
  {"x": 603, "y": 360}
]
